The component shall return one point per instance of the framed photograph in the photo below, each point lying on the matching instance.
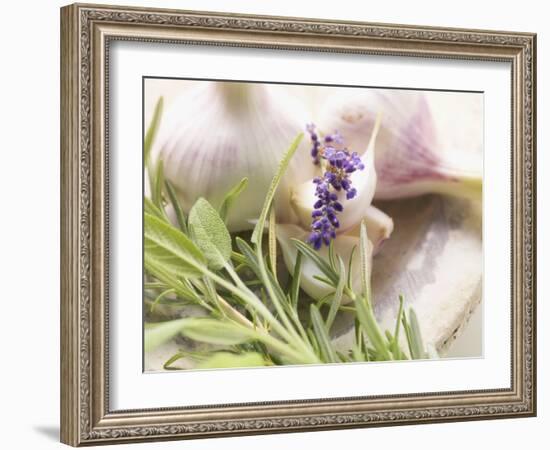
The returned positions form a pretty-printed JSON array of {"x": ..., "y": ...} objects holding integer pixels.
[{"x": 279, "y": 224}]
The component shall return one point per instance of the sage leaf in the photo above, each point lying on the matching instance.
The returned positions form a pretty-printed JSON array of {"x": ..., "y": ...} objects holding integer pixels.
[
  {"x": 150, "y": 208},
  {"x": 168, "y": 248},
  {"x": 219, "y": 332},
  {"x": 210, "y": 233},
  {"x": 231, "y": 360},
  {"x": 158, "y": 334}
]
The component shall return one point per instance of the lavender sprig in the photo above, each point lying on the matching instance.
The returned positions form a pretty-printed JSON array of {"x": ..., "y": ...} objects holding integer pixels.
[{"x": 340, "y": 164}]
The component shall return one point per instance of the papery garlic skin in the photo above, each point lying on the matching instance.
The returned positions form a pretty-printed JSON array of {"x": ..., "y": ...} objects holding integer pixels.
[
  {"x": 408, "y": 159},
  {"x": 343, "y": 247},
  {"x": 216, "y": 133}
]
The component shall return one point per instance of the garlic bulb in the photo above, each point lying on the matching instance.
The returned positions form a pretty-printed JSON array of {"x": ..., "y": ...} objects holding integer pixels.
[
  {"x": 408, "y": 160},
  {"x": 216, "y": 133}
]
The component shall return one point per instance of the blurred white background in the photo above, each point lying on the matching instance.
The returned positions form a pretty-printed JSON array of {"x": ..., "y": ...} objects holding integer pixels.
[{"x": 29, "y": 83}]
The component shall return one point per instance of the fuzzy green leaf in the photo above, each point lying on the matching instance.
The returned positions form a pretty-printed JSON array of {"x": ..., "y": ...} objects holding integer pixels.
[
  {"x": 150, "y": 208},
  {"x": 158, "y": 334},
  {"x": 219, "y": 332},
  {"x": 168, "y": 248},
  {"x": 231, "y": 360},
  {"x": 210, "y": 233}
]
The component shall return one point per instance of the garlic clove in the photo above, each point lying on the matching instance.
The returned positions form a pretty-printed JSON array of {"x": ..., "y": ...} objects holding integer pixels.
[
  {"x": 216, "y": 133},
  {"x": 364, "y": 181},
  {"x": 408, "y": 160},
  {"x": 343, "y": 246},
  {"x": 379, "y": 227}
]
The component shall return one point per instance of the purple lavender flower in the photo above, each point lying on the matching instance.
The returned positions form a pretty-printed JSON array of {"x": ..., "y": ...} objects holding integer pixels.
[
  {"x": 338, "y": 164},
  {"x": 315, "y": 143}
]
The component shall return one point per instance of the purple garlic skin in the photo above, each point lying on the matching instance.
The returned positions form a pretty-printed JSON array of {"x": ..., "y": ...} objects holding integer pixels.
[{"x": 408, "y": 158}]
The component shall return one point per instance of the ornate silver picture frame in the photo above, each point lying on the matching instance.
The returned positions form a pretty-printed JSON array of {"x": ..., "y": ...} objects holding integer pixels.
[{"x": 87, "y": 34}]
